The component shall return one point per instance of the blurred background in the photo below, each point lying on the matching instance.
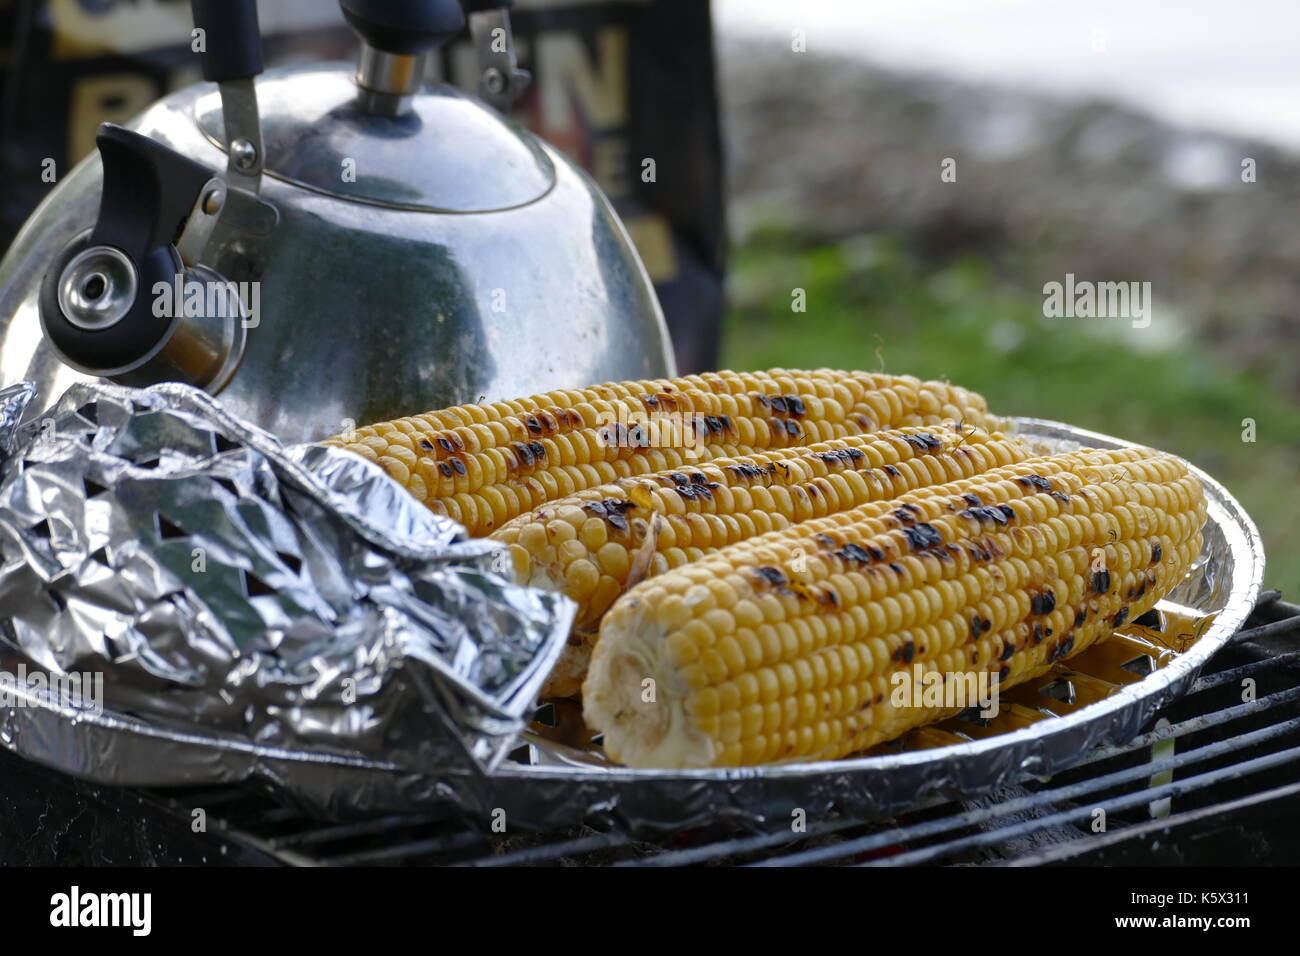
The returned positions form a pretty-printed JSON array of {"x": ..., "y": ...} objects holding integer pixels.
[
  {"x": 802, "y": 146},
  {"x": 1108, "y": 140}
]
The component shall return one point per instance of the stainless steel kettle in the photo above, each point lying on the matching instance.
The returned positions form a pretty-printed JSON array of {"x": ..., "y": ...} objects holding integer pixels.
[{"x": 325, "y": 245}]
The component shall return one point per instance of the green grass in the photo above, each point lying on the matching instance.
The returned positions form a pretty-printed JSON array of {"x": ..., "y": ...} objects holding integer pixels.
[{"x": 871, "y": 305}]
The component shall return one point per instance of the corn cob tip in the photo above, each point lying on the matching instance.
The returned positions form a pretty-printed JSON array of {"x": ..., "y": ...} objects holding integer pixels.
[{"x": 635, "y": 695}]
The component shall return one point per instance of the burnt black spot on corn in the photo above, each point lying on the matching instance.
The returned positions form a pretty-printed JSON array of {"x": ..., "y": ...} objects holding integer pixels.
[
  {"x": 1100, "y": 581},
  {"x": 922, "y": 536},
  {"x": 1035, "y": 481},
  {"x": 524, "y": 454},
  {"x": 924, "y": 442},
  {"x": 855, "y": 553},
  {"x": 1120, "y": 617},
  {"x": 1156, "y": 553},
  {"x": 994, "y": 514},
  {"x": 426, "y": 444},
  {"x": 1044, "y": 602}
]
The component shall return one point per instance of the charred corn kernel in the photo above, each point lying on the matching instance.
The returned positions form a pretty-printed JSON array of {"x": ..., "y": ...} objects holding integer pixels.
[
  {"x": 662, "y": 521},
  {"x": 557, "y": 443},
  {"x": 928, "y": 605}
]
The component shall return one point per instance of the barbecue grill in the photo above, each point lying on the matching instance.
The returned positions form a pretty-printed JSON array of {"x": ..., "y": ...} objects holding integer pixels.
[{"x": 1213, "y": 778}]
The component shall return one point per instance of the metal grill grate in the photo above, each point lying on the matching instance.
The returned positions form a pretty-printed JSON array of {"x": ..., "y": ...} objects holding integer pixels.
[{"x": 1215, "y": 773}]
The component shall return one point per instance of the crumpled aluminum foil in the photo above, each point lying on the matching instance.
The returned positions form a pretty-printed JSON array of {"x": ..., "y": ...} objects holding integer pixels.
[{"x": 263, "y": 599}]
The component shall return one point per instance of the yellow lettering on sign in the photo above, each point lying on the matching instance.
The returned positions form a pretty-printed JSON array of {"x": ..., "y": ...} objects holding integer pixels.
[
  {"x": 123, "y": 28},
  {"x": 570, "y": 81},
  {"x": 133, "y": 26},
  {"x": 609, "y": 165}
]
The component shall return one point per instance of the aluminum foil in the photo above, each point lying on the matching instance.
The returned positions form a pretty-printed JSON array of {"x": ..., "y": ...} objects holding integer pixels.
[
  {"x": 549, "y": 784},
  {"x": 243, "y": 600}
]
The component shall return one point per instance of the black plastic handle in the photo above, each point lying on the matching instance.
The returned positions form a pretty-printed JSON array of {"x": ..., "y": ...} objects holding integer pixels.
[
  {"x": 233, "y": 39},
  {"x": 148, "y": 192},
  {"x": 406, "y": 27},
  {"x": 478, "y": 6}
]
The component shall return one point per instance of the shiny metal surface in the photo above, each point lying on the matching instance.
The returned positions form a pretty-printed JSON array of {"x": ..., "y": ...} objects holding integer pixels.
[
  {"x": 371, "y": 309},
  {"x": 97, "y": 287},
  {"x": 396, "y": 74},
  {"x": 500, "y": 79},
  {"x": 204, "y": 347},
  {"x": 449, "y": 153},
  {"x": 561, "y": 786}
]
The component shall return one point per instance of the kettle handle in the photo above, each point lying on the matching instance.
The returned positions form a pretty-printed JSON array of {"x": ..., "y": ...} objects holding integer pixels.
[
  {"x": 232, "y": 39},
  {"x": 500, "y": 79}
]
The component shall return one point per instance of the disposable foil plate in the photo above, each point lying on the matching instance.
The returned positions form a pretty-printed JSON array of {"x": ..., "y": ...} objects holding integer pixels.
[{"x": 551, "y": 781}]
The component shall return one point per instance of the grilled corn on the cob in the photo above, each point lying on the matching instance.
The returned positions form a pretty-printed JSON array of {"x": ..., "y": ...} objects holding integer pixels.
[
  {"x": 597, "y": 543},
  {"x": 483, "y": 465},
  {"x": 740, "y": 659}
]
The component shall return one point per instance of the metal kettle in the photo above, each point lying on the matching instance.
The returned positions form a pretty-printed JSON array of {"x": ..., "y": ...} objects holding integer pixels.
[{"x": 325, "y": 245}]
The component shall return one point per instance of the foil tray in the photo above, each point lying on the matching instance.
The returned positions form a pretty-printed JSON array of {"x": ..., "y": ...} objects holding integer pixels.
[{"x": 551, "y": 782}]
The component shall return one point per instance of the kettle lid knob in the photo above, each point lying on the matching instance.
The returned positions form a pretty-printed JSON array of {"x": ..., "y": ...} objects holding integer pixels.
[
  {"x": 406, "y": 27},
  {"x": 395, "y": 36}
]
